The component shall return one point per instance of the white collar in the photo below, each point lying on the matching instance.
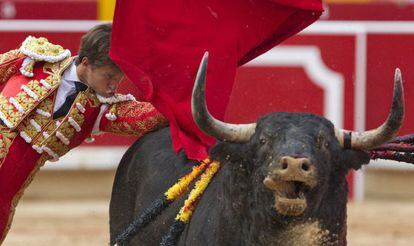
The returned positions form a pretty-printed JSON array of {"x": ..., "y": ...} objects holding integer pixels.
[{"x": 70, "y": 73}]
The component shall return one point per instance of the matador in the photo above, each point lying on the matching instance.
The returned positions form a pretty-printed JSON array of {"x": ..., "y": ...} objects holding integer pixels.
[{"x": 51, "y": 102}]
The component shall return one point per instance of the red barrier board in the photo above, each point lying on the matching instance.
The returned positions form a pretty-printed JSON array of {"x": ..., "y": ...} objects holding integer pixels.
[
  {"x": 378, "y": 11},
  {"x": 49, "y": 9}
]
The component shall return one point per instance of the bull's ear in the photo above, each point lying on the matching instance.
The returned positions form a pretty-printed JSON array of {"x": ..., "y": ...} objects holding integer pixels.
[{"x": 354, "y": 159}]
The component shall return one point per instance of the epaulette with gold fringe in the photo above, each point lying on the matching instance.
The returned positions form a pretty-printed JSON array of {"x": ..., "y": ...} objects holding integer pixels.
[{"x": 40, "y": 49}]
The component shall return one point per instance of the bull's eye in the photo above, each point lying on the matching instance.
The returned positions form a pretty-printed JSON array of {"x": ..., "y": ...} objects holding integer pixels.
[{"x": 262, "y": 141}]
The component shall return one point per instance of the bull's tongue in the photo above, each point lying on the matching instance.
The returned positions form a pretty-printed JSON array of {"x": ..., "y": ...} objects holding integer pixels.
[{"x": 290, "y": 190}]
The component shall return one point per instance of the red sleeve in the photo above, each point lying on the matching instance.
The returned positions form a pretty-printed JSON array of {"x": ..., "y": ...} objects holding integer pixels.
[{"x": 131, "y": 118}]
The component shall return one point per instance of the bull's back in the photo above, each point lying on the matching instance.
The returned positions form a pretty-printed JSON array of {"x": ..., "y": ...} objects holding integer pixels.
[{"x": 146, "y": 171}]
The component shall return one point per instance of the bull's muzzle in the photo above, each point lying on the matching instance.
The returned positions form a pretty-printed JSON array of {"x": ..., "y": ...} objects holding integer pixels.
[
  {"x": 290, "y": 179},
  {"x": 291, "y": 169}
]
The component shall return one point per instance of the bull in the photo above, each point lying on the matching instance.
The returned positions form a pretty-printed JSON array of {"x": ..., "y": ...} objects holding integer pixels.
[{"x": 282, "y": 180}]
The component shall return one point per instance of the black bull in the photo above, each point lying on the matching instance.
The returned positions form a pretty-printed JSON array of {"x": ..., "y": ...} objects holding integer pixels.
[{"x": 282, "y": 180}]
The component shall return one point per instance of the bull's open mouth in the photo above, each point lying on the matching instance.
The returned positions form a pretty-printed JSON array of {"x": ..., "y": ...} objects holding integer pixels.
[{"x": 290, "y": 196}]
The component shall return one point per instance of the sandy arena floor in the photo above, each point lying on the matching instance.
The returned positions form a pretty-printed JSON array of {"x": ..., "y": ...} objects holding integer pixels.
[{"x": 86, "y": 223}]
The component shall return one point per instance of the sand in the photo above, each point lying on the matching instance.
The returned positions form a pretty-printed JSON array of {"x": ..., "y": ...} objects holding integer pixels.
[{"x": 86, "y": 223}]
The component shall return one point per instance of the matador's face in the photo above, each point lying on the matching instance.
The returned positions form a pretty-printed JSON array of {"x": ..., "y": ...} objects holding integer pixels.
[{"x": 104, "y": 80}]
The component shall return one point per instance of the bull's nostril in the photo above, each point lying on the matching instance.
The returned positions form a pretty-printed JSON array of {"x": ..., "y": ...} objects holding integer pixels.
[
  {"x": 284, "y": 165},
  {"x": 305, "y": 166}
]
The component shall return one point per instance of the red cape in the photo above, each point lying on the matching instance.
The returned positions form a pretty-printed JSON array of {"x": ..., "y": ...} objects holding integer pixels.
[{"x": 159, "y": 45}]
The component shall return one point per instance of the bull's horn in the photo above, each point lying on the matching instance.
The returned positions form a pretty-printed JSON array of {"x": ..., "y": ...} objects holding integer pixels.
[
  {"x": 376, "y": 137},
  {"x": 209, "y": 125}
]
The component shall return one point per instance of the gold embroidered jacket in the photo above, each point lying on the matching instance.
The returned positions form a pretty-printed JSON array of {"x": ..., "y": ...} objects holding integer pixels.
[{"x": 30, "y": 77}]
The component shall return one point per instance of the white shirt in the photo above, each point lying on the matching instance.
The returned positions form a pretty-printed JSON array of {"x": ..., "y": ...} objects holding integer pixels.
[{"x": 67, "y": 87}]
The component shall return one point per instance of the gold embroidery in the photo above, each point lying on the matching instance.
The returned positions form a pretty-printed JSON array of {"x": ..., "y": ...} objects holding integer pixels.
[
  {"x": 56, "y": 146},
  {"x": 46, "y": 105},
  {"x": 29, "y": 131},
  {"x": 67, "y": 130},
  {"x": 135, "y": 118},
  {"x": 6, "y": 139},
  {"x": 37, "y": 88},
  {"x": 78, "y": 117},
  {"x": 6, "y": 72},
  {"x": 25, "y": 100},
  {"x": 4, "y": 105},
  {"x": 42, "y": 46},
  {"x": 27, "y": 125},
  {"x": 11, "y": 115},
  {"x": 40, "y": 49},
  {"x": 74, "y": 112},
  {"x": 41, "y": 130},
  {"x": 55, "y": 70},
  {"x": 93, "y": 100},
  {"x": 41, "y": 119},
  {"x": 48, "y": 138},
  {"x": 10, "y": 55},
  {"x": 7, "y": 65}
]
